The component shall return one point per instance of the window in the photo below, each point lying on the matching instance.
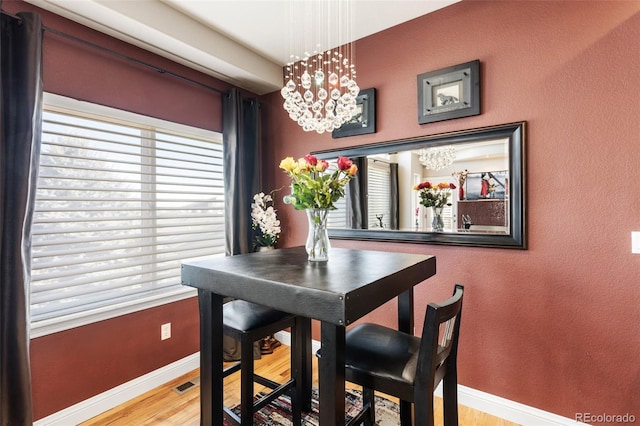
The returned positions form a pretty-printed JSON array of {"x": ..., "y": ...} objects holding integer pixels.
[
  {"x": 122, "y": 199},
  {"x": 378, "y": 191},
  {"x": 338, "y": 218}
]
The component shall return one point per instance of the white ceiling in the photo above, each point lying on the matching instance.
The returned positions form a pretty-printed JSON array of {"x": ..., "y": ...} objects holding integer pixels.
[{"x": 243, "y": 42}]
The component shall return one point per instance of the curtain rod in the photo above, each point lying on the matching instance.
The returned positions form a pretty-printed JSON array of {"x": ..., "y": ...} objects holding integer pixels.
[
  {"x": 131, "y": 59},
  {"x": 17, "y": 18},
  {"x": 120, "y": 55}
]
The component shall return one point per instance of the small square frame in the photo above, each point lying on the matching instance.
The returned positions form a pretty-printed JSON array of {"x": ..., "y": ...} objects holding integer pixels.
[
  {"x": 448, "y": 93},
  {"x": 363, "y": 122}
]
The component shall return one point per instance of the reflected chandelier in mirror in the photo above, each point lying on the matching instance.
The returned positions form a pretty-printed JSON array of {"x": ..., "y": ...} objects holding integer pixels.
[{"x": 387, "y": 200}]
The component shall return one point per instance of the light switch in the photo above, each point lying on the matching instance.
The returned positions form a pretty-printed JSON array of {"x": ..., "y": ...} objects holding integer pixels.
[
  {"x": 165, "y": 331},
  {"x": 635, "y": 242}
]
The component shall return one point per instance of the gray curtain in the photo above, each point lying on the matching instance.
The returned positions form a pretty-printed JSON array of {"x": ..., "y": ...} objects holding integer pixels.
[
  {"x": 20, "y": 124},
  {"x": 358, "y": 195},
  {"x": 394, "y": 222},
  {"x": 240, "y": 138},
  {"x": 240, "y": 133}
]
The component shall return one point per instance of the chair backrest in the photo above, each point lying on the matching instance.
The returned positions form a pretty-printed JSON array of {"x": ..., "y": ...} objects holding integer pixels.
[{"x": 439, "y": 346}]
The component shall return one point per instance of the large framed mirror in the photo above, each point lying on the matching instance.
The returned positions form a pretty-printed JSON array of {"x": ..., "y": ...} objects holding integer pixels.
[{"x": 486, "y": 208}]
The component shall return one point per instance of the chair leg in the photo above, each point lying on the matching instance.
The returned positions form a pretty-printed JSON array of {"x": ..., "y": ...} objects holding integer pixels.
[
  {"x": 246, "y": 381},
  {"x": 406, "y": 413},
  {"x": 450, "y": 397},
  {"x": 296, "y": 374},
  {"x": 368, "y": 398}
]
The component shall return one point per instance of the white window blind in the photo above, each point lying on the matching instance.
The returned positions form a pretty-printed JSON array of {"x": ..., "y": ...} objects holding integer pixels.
[
  {"x": 379, "y": 194},
  {"x": 119, "y": 205},
  {"x": 338, "y": 218}
]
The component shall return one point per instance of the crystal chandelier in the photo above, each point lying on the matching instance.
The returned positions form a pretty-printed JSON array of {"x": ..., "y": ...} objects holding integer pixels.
[
  {"x": 320, "y": 87},
  {"x": 437, "y": 158}
]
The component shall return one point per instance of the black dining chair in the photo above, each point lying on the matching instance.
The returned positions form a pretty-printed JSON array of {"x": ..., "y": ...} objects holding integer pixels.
[
  {"x": 408, "y": 367},
  {"x": 248, "y": 322}
]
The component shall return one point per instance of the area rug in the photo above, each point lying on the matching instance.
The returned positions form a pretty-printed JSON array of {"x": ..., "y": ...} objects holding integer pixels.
[{"x": 278, "y": 412}]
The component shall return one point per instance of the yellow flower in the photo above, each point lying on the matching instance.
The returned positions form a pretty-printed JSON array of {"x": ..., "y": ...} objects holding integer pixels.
[
  {"x": 302, "y": 164},
  {"x": 322, "y": 166},
  {"x": 313, "y": 184},
  {"x": 288, "y": 164}
]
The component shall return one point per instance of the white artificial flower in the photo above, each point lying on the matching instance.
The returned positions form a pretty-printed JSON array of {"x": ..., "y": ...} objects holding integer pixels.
[{"x": 264, "y": 219}]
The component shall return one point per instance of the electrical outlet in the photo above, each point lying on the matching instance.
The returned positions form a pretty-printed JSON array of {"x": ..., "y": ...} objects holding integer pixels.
[
  {"x": 635, "y": 242},
  {"x": 165, "y": 331}
]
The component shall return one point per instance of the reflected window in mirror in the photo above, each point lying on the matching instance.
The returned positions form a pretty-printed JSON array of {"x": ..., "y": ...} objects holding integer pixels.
[{"x": 382, "y": 192}]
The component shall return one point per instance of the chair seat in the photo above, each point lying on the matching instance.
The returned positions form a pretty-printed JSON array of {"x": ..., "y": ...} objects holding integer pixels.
[
  {"x": 382, "y": 353},
  {"x": 245, "y": 316}
]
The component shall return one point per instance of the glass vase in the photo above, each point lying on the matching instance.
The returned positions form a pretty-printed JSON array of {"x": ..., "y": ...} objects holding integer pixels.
[
  {"x": 437, "y": 224},
  {"x": 318, "y": 240}
]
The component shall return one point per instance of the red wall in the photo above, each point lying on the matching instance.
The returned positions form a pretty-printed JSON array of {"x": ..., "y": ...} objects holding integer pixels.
[
  {"x": 74, "y": 365},
  {"x": 556, "y": 326}
]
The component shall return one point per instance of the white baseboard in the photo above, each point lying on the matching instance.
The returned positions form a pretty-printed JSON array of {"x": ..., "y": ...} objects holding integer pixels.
[
  {"x": 478, "y": 400},
  {"x": 98, "y": 404},
  {"x": 507, "y": 409},
  {"x": 285, "y": 338},
  {"x": 485, "y": 402}
]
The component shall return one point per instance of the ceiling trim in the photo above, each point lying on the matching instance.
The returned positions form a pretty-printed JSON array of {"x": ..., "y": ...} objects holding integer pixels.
[
  {"x": 200, "y": 47},
  {"x": 240, "y": 42}
]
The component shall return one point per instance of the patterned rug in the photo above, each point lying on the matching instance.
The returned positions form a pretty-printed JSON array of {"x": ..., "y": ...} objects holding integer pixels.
[{"x": 278, "y": 412}]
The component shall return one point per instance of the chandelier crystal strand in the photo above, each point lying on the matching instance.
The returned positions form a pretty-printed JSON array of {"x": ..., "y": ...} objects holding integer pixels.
[
  {"x": 320, "y": 88},
  {"x": 437, "y": 158}
]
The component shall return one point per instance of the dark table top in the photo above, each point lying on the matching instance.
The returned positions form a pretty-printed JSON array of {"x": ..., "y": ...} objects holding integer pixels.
[{"x": 348, "y": 286}]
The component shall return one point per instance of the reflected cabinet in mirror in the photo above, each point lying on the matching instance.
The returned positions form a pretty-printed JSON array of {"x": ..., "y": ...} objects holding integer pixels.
[{"x": 462, "y": 188}]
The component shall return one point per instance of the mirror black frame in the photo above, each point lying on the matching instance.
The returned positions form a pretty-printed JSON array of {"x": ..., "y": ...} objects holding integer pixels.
[{"x": 514, "y": 132}]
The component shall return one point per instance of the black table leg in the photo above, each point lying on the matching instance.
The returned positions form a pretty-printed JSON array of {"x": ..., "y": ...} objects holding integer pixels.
[
  {"x": 405, "y": 312},
  {"x": 331, "y": 375},
  {"x": 304, "y": 325},
  {"x": 211, "y": 396}
]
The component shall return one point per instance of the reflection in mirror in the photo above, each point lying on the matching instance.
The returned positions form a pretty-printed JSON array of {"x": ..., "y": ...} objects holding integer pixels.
[{"x": 486, "y": 207}]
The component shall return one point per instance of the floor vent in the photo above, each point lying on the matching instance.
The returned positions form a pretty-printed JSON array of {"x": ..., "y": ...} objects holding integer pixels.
[{"x": 180, "y": 389}]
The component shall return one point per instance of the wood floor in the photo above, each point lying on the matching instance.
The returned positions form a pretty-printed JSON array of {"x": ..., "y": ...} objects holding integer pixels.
[{"x": 164, "y": 406}]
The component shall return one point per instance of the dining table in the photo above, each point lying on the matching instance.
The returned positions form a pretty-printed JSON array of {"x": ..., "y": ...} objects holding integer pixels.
[{"x": 337, "y": 292}]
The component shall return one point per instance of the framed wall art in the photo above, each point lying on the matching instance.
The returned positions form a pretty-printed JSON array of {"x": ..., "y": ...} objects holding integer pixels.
[
  {"x": 365, "y": 119},
  {"x": 487, "y": 185},
  {"x": 448, "y": 93}
]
